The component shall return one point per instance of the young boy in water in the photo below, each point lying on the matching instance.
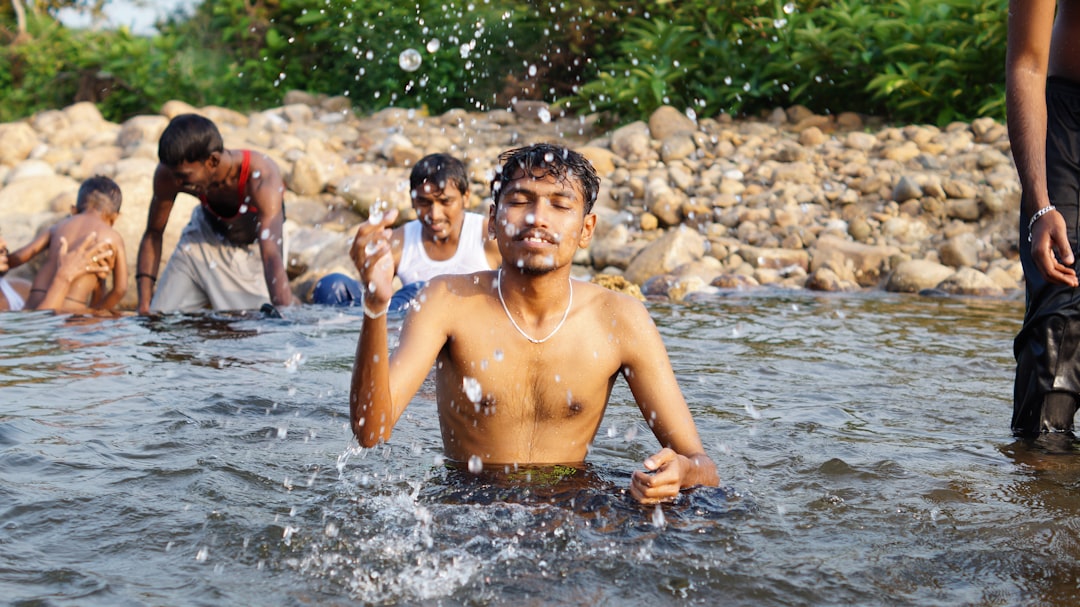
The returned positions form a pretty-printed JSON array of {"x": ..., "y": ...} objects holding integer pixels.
[
  {"x": 443, "y": 239},
  {"x": 525, "y": 357},
  {"x": 96, "y": 210}
]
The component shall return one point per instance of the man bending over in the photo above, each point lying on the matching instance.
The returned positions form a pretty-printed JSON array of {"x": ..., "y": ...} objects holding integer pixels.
[{"x": 230, "y": 255}]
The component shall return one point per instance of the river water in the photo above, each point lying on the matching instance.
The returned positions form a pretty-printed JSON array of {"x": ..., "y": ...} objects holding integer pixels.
[{"x": 862, "y": 441}]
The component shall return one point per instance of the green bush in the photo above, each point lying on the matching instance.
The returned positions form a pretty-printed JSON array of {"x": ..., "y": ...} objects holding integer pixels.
[
  {"x": 913, "y": 60},
  {"x": 906, "y": 60}
]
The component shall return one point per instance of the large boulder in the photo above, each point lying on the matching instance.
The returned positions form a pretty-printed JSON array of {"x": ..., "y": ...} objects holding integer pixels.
[{"x": 678, "y": 246}]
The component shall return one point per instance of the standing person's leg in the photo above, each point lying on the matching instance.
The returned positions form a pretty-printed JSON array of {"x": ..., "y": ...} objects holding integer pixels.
[{"x": 1048, "y": 369}]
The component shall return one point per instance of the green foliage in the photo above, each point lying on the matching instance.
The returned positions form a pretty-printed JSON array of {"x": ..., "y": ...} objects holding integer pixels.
[
  {"x": 469, "y": 50},
  {"x": 907, "y": 60}
]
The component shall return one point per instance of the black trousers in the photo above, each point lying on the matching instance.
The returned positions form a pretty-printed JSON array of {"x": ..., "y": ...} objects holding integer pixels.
[{"x": 1046, "y": 348}]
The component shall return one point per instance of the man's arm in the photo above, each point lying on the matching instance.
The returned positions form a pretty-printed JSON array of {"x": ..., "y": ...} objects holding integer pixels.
[
  {"x": 1031, "y": 24},
  {"x": 682, "y": 461},
  {"x": 268, "y": 194},
  {"x": 149, "y": 255},
  {"x": 383, "y": 385},
  {"x": 27, "y": 252}
]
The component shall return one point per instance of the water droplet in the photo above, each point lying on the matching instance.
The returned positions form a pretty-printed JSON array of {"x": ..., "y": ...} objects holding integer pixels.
[
  {"x": 376, "y": 213},
  {"x": 658, "y": 520},
  {"x": 265, "y": 234},
  {"x": 433, "y": 45},
  {"x": 410, "y": 60},
  {"x": 243, "y": 209},
  {"x": 473, "y": 390},
  {"x": 789, "y": 8},
  {"x": 544, "y": 115},
  {"x": 498, "y": 355},
  {"x": 256, "y": 174},
  {"x": 476, "y": 465},
  {"x": 370, "y": 247}
]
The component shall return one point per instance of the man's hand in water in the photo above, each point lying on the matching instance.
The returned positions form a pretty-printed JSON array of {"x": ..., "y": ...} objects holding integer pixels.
[
  {"x": 374, "y": 260},
  {"x": 662, "y": 478}
]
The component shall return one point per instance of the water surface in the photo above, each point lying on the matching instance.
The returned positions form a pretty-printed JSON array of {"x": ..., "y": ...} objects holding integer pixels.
[{"x": 862, "y": 440}]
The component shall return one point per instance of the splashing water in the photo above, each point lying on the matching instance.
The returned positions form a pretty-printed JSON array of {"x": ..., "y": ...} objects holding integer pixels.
[
  {"x": 658, "y": 519},
  {"x": 476, "y": 465},
  {"x": 752, "y": 411},
  {"x": 376, "y": 213},
  {"x": 410, "y": 60},
  {"x": 472, "y": 389},
  {"x": 293, "y": 362}
]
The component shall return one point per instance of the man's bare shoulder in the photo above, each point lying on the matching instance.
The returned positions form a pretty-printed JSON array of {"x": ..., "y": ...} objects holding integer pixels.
[
  {"x": 461, "y": 286},
  {"x": 614, "y": 302},
  {"x": 166, "y": 185},
  {"x": 264, "y": 169}
]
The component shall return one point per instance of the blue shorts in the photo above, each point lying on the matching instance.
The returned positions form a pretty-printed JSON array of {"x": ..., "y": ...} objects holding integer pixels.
[{"x": 342, "y": 290}]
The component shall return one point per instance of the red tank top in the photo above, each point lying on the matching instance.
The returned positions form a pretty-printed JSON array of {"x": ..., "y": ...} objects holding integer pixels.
[{"x": 241, "y": 192}]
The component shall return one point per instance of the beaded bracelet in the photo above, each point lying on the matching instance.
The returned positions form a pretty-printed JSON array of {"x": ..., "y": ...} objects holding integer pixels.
[{"x": 1035, "y": 217}]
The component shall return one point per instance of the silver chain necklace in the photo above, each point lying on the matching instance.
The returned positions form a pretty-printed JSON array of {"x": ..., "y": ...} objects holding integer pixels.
[{"x": 523, "y": 333}]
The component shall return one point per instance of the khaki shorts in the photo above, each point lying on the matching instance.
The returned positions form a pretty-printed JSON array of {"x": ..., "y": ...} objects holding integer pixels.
[{"x": 207, "y": 271}]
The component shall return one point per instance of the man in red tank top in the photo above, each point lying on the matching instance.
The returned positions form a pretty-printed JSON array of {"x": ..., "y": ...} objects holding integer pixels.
[{"x": 231, "y": 253}]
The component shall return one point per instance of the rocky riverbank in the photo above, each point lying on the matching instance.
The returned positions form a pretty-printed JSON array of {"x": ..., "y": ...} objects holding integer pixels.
[{"x": 687, "y": 205}]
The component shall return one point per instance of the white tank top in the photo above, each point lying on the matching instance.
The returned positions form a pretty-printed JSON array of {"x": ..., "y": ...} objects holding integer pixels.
[
  {"x": 15, "y": 301},
  {"x": 470, "y": 257}
]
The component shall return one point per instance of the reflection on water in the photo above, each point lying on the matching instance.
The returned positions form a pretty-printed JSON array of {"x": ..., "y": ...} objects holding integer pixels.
[{"x": 863, "y": 444}]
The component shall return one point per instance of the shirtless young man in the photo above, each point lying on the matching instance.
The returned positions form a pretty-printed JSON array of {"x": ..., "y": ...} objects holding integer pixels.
[
  {"x": 443, "y": 239},
  {"x": 96, "y": 209},
  {"x": 543, "y": 350},
  {"x": 1043, "y": 105},
  {"x": 230, "y": 255}
]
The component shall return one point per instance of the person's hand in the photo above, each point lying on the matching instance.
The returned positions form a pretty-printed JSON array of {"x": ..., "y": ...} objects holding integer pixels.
[
  {"x": 372, "y": 254},
  {"x": 662, "y": 478},
  {"x": 1050, "y": 249},
  {"x": 90, "y": 257}
]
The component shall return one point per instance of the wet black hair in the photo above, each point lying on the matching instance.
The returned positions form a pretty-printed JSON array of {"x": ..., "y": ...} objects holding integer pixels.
[
  {"x": 440, "y": 170},
  {"x": 98, "y": 192},
  {"x": 545, "y": 159},
  {"x": 188, "y": 138}
]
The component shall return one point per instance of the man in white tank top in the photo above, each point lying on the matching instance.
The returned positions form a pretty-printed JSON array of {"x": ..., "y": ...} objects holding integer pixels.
[{"x": 443, "y": 239}]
